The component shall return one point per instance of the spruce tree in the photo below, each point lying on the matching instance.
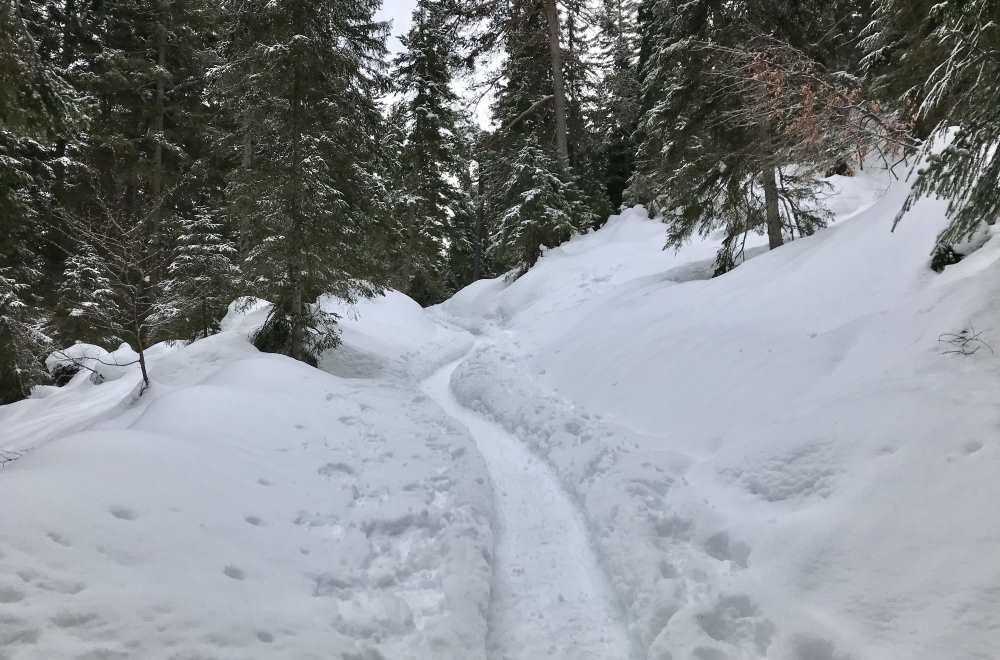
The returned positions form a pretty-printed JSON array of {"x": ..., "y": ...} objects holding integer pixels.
[
  {"x": 941, "y": 59},
  {"x": 203, "y": 274},
  {"x": 302, "y": 77},
  {"x": 431, "y": 155},
  {"x": 740, "y": 117},
  {"x": 538, "y": 212},
  {"x": 146, "y": 74},
  {"x": 618, "y": 93},
  {"x": 83, "y": 296},
  {"x": 37, "y": 107}
]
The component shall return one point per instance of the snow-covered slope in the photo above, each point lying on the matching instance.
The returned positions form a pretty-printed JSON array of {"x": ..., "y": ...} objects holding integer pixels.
[
  {"x": 781, "y": 462},
  {"x": 248, "y": 506}
]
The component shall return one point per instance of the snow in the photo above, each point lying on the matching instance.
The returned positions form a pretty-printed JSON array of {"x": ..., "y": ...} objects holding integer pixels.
[
  {"x": 780, "y": 462},
  {"x": 550, "y": 596},
  {"x": 614, "y": 456},
  {"x": 247, "y": 506}
]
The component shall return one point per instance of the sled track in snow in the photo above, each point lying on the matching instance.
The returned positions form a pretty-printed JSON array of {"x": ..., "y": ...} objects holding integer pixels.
[{"x": 550, "y": 596}]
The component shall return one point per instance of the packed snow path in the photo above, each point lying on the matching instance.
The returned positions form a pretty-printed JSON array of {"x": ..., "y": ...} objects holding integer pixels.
[{"x": 550, "y": 597}]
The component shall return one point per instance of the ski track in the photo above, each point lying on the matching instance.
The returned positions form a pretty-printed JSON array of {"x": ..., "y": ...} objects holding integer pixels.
[{"x": 550, "y": 596}]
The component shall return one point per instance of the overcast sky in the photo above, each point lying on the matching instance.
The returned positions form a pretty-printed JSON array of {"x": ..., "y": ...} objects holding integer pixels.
[{"x": 397, "y": 11}]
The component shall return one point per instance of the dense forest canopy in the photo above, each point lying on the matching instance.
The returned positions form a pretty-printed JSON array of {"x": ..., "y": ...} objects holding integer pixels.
[{"x": 162, "y": 158}]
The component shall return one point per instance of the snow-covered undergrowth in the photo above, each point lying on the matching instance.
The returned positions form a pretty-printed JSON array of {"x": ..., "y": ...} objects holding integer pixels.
[
  {"x": 782, "y": 462},
  {"x": 248, "y": 506}
]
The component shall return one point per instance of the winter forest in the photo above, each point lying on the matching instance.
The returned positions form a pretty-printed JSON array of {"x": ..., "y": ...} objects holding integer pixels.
[
  {"x": 162, "y": 158},
  {"x": 579, "y": 329}
]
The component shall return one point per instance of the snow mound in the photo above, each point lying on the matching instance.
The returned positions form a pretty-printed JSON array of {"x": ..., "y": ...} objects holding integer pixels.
[
  {"x": 247, "y": 506},
  {"x": 390, "y": 335},
  {"x": 782, "y": 462}
]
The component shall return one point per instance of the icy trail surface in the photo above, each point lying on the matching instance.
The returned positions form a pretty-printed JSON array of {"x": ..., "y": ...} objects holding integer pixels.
[{"x": 550, "y": 596}]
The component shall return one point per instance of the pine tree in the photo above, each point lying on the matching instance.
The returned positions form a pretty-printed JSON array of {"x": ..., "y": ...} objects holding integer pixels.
[
  {"x": 529, "y": 120},
  {"x": 22, "y": 343},
  {"x": 538, "y": 212},
  {"x": 431, "y": 154},
  {"x": 112, "y": 282},
  {"x": 142, "y": 157},
  {"x": 302, "y": 76},
  {"x": 85, "y": 295},
  {"x": 740, "y": 118},
  {"x": 467, "y": 237},
  {"x": 942, "y": 56},
  {"x": 619, "y": 93},
  {"x": 37, "y": 107},
  {"x": 203, "y": 274}
]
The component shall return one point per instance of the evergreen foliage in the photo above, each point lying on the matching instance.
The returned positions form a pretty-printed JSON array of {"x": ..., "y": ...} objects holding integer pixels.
[
  {"x": 740, "y": 116},
  {"x": 431, "y": 153},
  {"x": 160, "y": 158},
  {"x": 538, "y": 212},
  {"x": 941, "y": 58},
  {"x": 302, "y": 77}
]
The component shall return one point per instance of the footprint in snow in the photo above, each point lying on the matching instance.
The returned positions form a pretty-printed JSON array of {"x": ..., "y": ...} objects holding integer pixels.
[
  {"x": 123, "y": 513},
  {"x": 234, "y": 572},
  {"x": 56, "y": 537},
  {"x": 254, "y": 520},
  {"x": 972, "y": 447}
]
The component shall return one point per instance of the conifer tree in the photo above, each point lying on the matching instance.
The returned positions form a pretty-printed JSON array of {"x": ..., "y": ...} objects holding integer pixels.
[
  {"x": 85, "y": 294},
  {"x": 618, "y": 93},
  {"x": 146, "y": 73},
  {"x": 467, "y": 235},
  {"x": 203, "y": 274},
  {"x": 431, "y": 155},
  {"x": 302, "y": 77},
  {"x": 538, "y": 211},
  {"x": 527, "y": 139},
  {"x": 942, "y": 56},
  {"x": 740, "y": 118},
  {"x": 37, "y": 106}
]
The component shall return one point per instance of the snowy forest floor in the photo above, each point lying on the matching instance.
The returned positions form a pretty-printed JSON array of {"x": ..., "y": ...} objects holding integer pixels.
[{"x": 612, "y": 458}]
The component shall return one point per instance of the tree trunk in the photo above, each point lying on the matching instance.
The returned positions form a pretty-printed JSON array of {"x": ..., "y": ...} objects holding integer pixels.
[
  {"x": 246, "y": 217},
  {"x": 161, "y": 91},
  {"x": 142, "y": 368},
  {"x": 770, "y": 183},
  {"x": 558, "y": 91},
  {"x": 477, "y": 236},
  {"x": 296, "y": 266}
]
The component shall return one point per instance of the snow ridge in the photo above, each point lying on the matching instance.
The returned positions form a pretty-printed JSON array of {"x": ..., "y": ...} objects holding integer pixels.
[{"x": 550, "y": 596}]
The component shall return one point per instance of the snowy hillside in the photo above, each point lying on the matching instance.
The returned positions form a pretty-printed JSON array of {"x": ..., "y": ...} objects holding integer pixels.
[
  {"x": 780, "y": 462},
  {"x": 612, "y": 457}
]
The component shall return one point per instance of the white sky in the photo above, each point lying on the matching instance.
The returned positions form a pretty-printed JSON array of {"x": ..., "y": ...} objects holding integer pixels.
[{"x": 397, "y": 11}]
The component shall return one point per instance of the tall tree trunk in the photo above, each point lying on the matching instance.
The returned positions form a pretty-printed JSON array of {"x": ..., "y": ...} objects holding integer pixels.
[
  {"x": 770, "y": 183},
  {"x": 161, "y": 90},
  {"x": 558, "y": 90},
  {"x": 477, "y": 236},
  {"x": 296, "y": 266},
  {"x": 68, "y": 56},
  {"x": 246, "y": 217}
]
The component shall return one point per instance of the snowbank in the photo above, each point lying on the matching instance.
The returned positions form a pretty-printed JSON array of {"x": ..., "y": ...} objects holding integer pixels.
[
  {"x": 780, "y": 462},
  {"x": 390, "y": 335},
  {"x": 248, "y": 506}
]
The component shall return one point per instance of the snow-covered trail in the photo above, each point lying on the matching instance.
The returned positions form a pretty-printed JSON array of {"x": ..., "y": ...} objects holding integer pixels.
[{"x": 550, "y": 596}]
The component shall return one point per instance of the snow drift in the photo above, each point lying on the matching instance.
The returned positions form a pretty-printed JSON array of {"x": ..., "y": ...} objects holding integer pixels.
[{"x": 784, "y": 462}]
